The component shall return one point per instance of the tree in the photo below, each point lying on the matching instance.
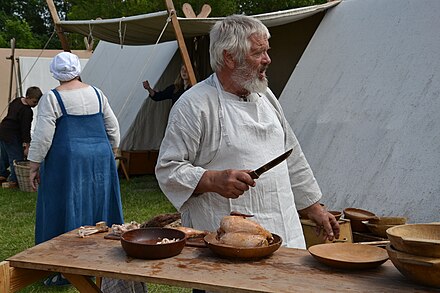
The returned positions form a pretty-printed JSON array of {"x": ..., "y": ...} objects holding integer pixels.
[
  {"x": 30, "y": 23},
  {"x": 17, "y": 18}
]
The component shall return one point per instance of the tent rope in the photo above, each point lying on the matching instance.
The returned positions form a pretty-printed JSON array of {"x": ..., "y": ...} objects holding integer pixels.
[
  {"x": 146, "y": 63},
  {"x": 122, "y": 36},
  {"x": 90, "y": 36},
  {"x": 36, "y": 60},
  {"x": 90, "y": 31}
]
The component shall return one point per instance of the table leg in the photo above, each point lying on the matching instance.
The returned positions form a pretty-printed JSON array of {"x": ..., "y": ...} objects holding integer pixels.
[
  {"x": 14, "y": 279},
  {"x": 83, "y": 283}
]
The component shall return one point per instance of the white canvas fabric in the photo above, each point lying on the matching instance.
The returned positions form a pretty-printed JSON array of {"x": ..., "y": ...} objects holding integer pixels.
[
  {"x": 364, "y": 103},
  {"x": 119, "y": 72}
]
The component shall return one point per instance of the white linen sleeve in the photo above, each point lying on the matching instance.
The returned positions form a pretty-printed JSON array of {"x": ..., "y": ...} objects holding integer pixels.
[
  {"x": 175, "y": 172},
  {"x": 48, "y": 112},
  {"x": 110, "y": 122},
  {"x": 304, "y": 185}
]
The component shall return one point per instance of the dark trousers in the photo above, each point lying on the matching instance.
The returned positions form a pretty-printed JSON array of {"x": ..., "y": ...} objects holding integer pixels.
[{"x": 8, "y": 153}]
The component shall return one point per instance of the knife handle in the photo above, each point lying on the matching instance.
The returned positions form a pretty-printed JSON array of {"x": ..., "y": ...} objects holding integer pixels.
[{"x": 253, "y": 175}]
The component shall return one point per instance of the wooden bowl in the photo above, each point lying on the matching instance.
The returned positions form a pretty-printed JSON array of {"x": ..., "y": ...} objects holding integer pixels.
[
  {"x": 378, "y": 229},
  {"x": 143, "y": 243},
  {"x": 337, "y": 214},
  {"x": 417, "y": 239},
  {"x": 349, "y": 256},
  {"x": 388, "y": 221},
  {"x": 422, "y": 270},
  {"x": 243, "y": 253},
  {"x": 356, "y": 216}
]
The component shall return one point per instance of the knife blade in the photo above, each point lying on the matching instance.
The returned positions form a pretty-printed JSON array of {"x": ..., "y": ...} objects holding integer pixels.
[{"x": 257, "y": 173}]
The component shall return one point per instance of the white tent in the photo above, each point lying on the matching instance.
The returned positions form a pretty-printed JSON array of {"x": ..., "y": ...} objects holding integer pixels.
[
  {"x": 119, "y": 66},
  {"x": 364, "y": 103},
  {"x": 119, "y": 72}
]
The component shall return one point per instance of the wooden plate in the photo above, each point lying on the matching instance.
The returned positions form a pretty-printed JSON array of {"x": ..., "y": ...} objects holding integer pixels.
[
  {"x": 349, "y": 255},
  {"x": 244, "y": 253}
]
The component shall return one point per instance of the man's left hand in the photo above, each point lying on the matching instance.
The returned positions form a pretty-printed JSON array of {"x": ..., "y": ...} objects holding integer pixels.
[{"x": 324, "y": 221}]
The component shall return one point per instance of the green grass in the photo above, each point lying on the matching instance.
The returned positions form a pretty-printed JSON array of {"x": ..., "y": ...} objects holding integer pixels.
[{"x": 141, "y": 200}]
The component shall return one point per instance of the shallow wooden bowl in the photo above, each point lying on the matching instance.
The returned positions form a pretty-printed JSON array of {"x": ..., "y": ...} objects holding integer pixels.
[
  {"x": 420, "y": 269},
  {"x": 417, "y": 239},
  {"x": 356, "y": 216},
  {"x": 243, "y": 253},
  {"x": 142, "y": 243},
  {"x": 349, "y": 256}
]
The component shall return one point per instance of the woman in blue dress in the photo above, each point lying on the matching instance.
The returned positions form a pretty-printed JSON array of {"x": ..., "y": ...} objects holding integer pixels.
[{"x": 72, "y": 162}]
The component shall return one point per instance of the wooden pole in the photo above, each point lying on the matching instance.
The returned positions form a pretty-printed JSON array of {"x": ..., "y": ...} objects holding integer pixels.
[
  {"x": 181, "y": 42},
  {"x": 18, "y": 80},
  {"x": 12, "y": 58},
  {"x": 58, "y": 28}
]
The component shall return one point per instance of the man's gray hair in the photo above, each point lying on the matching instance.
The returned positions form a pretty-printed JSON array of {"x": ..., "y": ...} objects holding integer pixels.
[{"x": 232, "y": 35}]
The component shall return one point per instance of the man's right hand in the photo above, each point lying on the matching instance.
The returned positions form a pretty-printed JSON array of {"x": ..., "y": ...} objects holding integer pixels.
[{"x": 228, "y": 183}]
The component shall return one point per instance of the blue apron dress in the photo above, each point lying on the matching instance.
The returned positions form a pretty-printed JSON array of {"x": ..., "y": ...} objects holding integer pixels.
[{"x": 79, "y": 184}]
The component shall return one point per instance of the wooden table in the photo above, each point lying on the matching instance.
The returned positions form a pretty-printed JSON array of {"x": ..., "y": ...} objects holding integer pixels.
[{"x": 287, "y": 270}]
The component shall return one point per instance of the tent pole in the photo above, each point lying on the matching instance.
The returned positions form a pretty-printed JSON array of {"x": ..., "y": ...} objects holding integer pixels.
[
  {"x": 56, "y": 21},
  {"x": 12, "y": 58},
  {"x": 18, "y": 80},
  {"x": 181, "y": 42}
]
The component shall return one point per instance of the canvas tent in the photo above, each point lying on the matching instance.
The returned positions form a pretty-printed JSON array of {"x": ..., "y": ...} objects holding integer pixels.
[
  {"x": 123, "y": 61},
  {"x": 364, "y": 103},
  {"x": 119, "y": 72}
]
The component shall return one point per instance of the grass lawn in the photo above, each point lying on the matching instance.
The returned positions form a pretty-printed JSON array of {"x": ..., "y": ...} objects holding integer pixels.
[{"x": 141, "y": 200}]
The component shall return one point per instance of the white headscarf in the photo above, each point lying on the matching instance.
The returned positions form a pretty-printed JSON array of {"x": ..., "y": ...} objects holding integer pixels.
[{"x": 65, "y": 66}]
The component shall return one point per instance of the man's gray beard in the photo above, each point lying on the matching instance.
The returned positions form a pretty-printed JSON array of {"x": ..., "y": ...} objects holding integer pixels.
[
  {"x": 255, "y": 85},
  {"x": 250, "y": 83}
]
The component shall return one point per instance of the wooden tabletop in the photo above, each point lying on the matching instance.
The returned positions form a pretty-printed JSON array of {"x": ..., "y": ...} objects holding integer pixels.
[{"x": 287, "y": 270}]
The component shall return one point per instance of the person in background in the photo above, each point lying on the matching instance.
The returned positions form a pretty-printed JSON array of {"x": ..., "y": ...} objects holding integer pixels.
[
  {"x": 172, "y": 92},
  {"x": 71, "y": 159},
  {"x": 232, "y": 123},
  {"x": 15, "y": 134}
]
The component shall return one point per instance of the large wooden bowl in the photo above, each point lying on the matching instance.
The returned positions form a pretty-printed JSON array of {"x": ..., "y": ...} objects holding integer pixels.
[
  {"x": 243, "y": 253},
  {"x": 420, "y": 269},
  {"x": 142, "y": 243},
  {"x": 417, "y": 239},
  {"x": 349, "y": 256}
]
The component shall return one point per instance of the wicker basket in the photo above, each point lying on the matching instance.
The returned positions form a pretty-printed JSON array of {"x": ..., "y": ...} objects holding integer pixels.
[{"x": 22, "y": 171}]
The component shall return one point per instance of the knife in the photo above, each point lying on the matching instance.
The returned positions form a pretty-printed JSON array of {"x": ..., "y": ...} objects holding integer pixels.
[{"x": 257, "y": 173}]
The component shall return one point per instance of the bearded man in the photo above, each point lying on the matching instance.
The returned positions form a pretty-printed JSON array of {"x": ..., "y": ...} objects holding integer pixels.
[{"x": 227, "y": 125}]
